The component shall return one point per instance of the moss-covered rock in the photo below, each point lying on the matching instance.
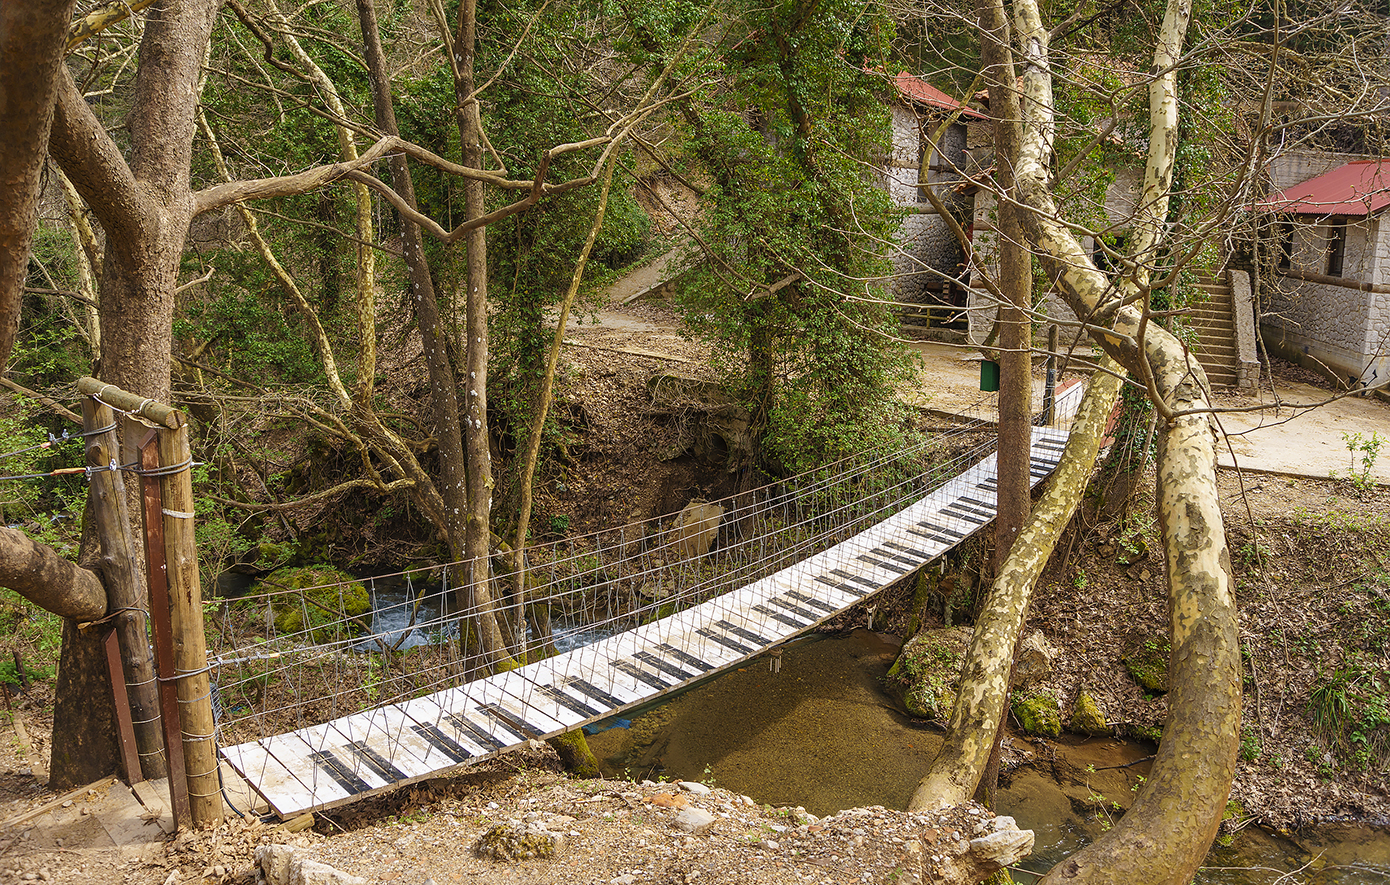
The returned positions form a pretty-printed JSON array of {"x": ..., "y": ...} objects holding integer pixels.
[
  {"x": 1147, "y": 664},
  {"x": 1086, "y": 717},
  {"x": 1039, "y": 714},
  {"x": 927, "y": 672},
  {"x": 320, "y": 598},
  {"x": 511, "y": 842}
]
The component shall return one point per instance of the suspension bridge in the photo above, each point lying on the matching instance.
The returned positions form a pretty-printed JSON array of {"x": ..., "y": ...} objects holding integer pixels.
[{"x": 315, "y": 714}]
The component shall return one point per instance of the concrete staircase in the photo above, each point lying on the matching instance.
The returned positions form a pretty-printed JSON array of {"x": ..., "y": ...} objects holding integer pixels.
[{"x": 1215, "y": 328}]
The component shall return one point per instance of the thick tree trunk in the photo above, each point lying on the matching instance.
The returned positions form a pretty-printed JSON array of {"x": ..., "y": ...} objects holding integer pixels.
[
  {"x": 1166, "y": 833},
  {"x": 984, "y": 691},
  {"x": 84, "y": 724},
  {"x": 144, "y": 206},
  {"x": 32, "y": 34}
]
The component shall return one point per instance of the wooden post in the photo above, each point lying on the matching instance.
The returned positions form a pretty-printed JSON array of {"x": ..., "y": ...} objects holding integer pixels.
[
  {"x": 106, "y": 497},
  {"x": 163, "y": 633},
  {"x": 186, "y": 616}
]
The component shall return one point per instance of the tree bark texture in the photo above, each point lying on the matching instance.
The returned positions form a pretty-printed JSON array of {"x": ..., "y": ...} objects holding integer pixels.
[
  {"x": 1015, "y": 282},
  {"x": 36, "y": 572},
  {"x": 1166, "y": 833},
  {"x": 85, "y": 746},
  {"x": 984, "y": 691},
  {"x": 32, "y": 35},
  {"x": 477, "y": 532},
  {"x": 145, "y": 205}
]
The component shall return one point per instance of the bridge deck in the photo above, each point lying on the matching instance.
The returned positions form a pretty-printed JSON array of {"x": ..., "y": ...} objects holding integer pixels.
[{"x": 375, "y": 750}]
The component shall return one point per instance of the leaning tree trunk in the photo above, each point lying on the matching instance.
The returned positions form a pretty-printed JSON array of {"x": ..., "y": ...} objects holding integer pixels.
[
  {"x": 984, "y": 692},
  {"x": 1166, "y": 833}
]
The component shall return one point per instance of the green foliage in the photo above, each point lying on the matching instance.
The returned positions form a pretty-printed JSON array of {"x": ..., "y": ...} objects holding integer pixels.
[
  {"x": 1364, "y": 450},
  {"x": 1350, "y": 709},
  {"x": 47, "y": 509},
  {"x": 785, "y": 151},
  {"x": 1249, "y": 744}
]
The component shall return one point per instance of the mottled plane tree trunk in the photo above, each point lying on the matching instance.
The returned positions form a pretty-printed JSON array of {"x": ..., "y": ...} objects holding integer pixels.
[
  {"x": 1169, "y": 828},
  {"x": 1167, "y": 832}
]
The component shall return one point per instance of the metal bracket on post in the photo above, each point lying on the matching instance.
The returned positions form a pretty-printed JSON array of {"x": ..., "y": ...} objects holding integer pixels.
[
  {"x": 125, "y": 730},
  {"x": 163, "y": 630}
]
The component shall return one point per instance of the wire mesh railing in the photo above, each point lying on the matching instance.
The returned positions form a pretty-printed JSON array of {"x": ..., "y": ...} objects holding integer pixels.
[{"x": 286, "y": 658}]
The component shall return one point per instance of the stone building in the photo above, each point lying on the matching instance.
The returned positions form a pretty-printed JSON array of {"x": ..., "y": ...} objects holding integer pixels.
[
  {"x": 929, "y": 151},
  {"x": 1329, "y": 305}
]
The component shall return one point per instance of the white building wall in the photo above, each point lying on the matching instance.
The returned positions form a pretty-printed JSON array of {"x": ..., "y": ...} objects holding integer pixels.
[{"x": 1337, "y": 327}]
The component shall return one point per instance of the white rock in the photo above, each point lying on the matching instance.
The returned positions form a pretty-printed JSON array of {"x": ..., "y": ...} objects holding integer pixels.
[
  {"x": 694, "y": 820},
  {"x": 693, "y": 787}
]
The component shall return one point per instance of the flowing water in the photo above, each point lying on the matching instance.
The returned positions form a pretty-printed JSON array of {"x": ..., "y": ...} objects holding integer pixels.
[{"x": 822, "y": 734}]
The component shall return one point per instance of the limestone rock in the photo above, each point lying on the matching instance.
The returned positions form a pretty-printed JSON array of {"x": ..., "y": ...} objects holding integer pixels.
[
  {"x": 287, "y": 865},
  {"x": 694, "y": 821},
  {"x": 1004, "y": 845},
  {"x": 1034, "y": 661},
  {"x": 696, "y": 529},
  {"x": 1086, "y": 717},
  {"x": 698, "y": 789},
  {"x": 515, "y": 840}
]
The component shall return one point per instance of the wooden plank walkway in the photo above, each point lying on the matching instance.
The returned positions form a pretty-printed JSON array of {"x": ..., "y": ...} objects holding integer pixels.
[{"x": 375, "y": 750}]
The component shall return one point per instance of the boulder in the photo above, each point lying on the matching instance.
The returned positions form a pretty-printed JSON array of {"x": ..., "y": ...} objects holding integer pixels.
[
  {"x": 1039, "y": 714},
  {"x": 927, "y": 672},
  {"x": 696, "y": 529},
  {"x": 287, "y": 865},
  {"x": 1034, "y": 661},
  {"x": 1086, "y": 717}
]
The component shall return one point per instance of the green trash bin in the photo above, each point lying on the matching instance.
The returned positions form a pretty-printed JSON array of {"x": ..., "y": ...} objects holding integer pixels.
[{"x": 989, "y": 376}]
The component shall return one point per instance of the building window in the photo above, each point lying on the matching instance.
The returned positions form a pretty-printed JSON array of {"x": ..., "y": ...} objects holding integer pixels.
[
  {"x": 1336, "y": 246},
  {"x": 1284, "y": 245}
]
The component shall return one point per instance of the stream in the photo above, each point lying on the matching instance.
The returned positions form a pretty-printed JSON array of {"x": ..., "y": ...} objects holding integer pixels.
[{"x": 822, "y": 734}]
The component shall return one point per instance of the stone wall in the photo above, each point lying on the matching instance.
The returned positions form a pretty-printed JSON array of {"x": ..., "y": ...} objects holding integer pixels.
[
  {"x": 1339, "y": 329},
  {"x": 1295, "y": 167},
  {"x": 925, "y": 240}
]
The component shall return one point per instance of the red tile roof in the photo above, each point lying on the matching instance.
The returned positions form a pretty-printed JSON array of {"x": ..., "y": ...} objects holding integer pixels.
[
  {"x": 1358, "y": 189},
  {"x": 922, "y": 92}
]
